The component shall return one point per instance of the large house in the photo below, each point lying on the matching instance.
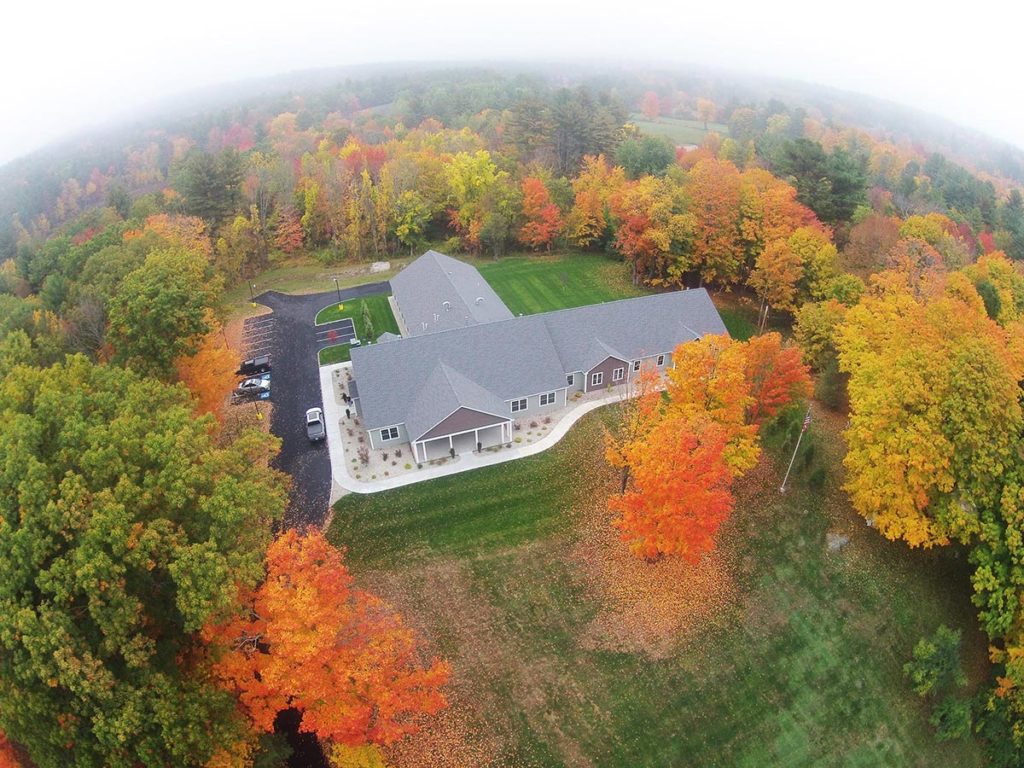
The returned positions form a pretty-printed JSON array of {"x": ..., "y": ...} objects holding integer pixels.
[{"x": 467, "y": 369}]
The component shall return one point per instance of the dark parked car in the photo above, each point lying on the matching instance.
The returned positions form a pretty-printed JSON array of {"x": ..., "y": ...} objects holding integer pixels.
[
  {"x": 315, "y": 429},
  {"x": 254, "y": 366}
]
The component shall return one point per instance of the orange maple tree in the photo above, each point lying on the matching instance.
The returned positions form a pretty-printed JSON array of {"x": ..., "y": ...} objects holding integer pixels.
[
  {"x": 7, "y": 757},
  {"x": 679, "y": 455},
  {"x": 775, "y": 376},
  {"x": 313, "y": 642},
  {"x": 681, "y": 490},
  {"x": 543, "y": 219},
  {"x": 209, "y": 373}
]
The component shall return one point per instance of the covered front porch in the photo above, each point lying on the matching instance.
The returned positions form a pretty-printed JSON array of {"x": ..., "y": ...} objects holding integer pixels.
[{"x": 431, "y": 448}]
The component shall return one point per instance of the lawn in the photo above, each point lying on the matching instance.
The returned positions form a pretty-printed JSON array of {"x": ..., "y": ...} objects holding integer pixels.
[
  {"x": 529, "y": 284},
  {"x": 380, "y": 315},
  {"x": 678, "y": 131},
  {"x": 541, "y": 284},
  {"x": 567, "y": 651}
]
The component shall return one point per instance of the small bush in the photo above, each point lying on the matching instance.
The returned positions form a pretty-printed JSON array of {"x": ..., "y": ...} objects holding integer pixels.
[
  {"x": 951, "y": 719},
  {"x": 519, "y": 440},
  {"x": 408, "y": 466},
  {"x": 533, "y": 425},
  {"x": 384, "y": 455},
  {"x": 831, "y": 385},
  {"x": 364, "y": 454},
  {"x": 547, "y": 419},
  {"x": 517, "y": 426},
  {"x": 398, "y": 452}
]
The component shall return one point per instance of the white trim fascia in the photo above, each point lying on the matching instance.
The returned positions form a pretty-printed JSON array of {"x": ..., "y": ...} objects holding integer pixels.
[
  {"x": 463, "y": 432},
  {"x": 468, "y": 408}
]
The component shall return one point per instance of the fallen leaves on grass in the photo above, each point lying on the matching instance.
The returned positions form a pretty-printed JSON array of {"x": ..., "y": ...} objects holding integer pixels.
[{"x": 648, "y": 607}]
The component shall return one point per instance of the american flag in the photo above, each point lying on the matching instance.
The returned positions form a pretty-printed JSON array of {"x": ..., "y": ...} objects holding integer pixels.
[{"x": 807, "y": 422}]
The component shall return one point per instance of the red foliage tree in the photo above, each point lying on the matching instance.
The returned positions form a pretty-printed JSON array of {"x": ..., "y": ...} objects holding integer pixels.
[
  {"x": 288, "y": 231},
  {"x": 543, "y": 219},
  {"x": 314, "y": 642},
  {"x": 650, "y": 106}
]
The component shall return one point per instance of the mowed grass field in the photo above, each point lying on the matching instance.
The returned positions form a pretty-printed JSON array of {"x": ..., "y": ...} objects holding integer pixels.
[
  {"x": 676, "y": 130},
  {"x": 380, "y": 315},
  {"x": 530, "y": 284},
  {"x": 567, "y": 651}
]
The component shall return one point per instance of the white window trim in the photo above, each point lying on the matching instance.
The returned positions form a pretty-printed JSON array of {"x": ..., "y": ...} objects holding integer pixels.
[
  {"x": 525, "y": 404},
  {"x": 661, "y": 359},
  {"x": 597, "y": 378},
  {"x": 618, "y": 374},
  {"x": 570, "y": 379},
  {"x": 387, "y": 431},
  {"x": 548, "y": 398},
  {"x": 636, "y": 366}
]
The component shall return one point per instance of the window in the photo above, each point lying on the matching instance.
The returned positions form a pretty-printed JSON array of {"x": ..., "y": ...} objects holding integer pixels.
[
  {"x": 661, "y": 359},
  {"x": 618, "y": 374},
  {"x": 636, "y": 366},
  {"x": 389, "y": 433},
  {"x": 596, "y": 379},
  {"x": 547, "y": 399},
  {"x": 519, "y": 405},
  {"x": 570, "y": 379}
]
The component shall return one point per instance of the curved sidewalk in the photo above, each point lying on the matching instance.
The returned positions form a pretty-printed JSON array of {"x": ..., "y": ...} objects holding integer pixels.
[{"x": 343, "y": 483}]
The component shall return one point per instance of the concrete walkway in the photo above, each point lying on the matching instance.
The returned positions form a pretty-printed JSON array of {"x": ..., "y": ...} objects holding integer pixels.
[{"x": 343, "y": 483}]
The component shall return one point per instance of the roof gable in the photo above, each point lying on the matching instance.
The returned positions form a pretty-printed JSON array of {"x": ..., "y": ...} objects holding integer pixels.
[{"x": 437, "y": 293}]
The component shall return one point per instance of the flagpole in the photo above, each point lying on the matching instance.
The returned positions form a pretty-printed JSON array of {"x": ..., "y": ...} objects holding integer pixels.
[{"x": 807, "y": 423}]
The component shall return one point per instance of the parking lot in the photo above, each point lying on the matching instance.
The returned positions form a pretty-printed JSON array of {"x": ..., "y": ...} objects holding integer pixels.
[
  {"x": 258, "y": 334},
  {"x": 337, "y": 332},
  {"x": 292, "y": 340}
]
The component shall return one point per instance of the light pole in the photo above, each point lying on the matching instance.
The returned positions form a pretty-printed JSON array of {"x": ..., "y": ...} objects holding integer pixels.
[{"x": 338, "y": 289}]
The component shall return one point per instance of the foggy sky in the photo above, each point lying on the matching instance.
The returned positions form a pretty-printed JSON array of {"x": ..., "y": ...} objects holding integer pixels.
[{"x": 68, "y": 66}]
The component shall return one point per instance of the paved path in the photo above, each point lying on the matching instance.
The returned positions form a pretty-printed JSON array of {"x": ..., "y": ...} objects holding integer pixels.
[
  {"x": 343, "y": 483},
  {"x": 295, "y": 387}
]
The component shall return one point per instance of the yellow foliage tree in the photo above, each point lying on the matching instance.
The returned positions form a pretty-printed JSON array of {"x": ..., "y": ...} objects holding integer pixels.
[{"x": 932, "y": 422}]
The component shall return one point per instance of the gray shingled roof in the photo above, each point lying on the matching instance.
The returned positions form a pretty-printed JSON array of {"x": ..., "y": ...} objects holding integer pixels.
[
  {"x": 404, "y": 381},
  {"x": 437, "y": 293},
  {"x": 445, "y": 391}
]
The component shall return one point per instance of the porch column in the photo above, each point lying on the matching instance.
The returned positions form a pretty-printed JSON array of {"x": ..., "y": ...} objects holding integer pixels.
[{"x": 476, "y": 438}]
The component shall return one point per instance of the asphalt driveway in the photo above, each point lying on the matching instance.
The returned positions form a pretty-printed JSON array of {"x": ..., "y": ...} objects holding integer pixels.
[{"x": 293, "y": 347}]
